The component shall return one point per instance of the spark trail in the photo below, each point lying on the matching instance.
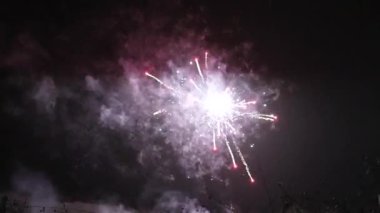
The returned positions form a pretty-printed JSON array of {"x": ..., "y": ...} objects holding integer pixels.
[{"x": 215, "y": 102}]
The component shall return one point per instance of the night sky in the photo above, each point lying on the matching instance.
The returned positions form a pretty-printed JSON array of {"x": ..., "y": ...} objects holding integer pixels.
[{"x": 321, "y": 55}]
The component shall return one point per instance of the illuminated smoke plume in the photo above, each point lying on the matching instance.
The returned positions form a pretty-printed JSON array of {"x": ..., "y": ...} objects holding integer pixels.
[{"x": 203, "y": 111}]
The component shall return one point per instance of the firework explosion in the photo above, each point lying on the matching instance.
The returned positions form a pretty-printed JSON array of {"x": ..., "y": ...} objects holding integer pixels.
[{"x": 215, "y": 107}]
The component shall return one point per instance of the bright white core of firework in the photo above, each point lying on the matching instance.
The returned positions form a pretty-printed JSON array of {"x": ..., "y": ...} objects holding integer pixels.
[{"x": 218, "y": 104}]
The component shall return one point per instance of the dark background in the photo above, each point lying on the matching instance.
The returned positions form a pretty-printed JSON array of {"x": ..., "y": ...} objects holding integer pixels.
[{"x": 325, "y": 149}]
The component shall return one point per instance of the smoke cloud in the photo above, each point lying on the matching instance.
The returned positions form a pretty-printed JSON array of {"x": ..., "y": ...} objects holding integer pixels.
[
  {"x": 36, "y": 187},
  {"x": 85, "y": 109}
]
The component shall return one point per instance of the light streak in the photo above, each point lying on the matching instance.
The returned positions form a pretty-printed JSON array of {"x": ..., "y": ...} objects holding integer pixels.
[
  {"x": 158, "y": 112},
  {"x": 213, "y": 140},
  {"x": 206, "y": 60},
  {"x": 159, "y": 81},
  {"x": 231, "y": 153},
  {"x": 199, "y": 69},
  {"x": 244, "y": 162}
]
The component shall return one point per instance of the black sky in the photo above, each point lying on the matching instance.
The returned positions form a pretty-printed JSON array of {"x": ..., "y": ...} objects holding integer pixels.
[{"x": 325, "y": 146}]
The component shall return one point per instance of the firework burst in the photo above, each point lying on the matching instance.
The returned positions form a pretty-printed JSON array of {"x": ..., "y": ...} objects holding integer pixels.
[{"x": 214, "y": 104}]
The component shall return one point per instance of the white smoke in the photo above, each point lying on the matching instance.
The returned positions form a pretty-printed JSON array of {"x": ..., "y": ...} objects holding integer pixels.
[
  {"x": 36, "y": 186},
  {"x": 128, "y": 104},
  {"x": 114, "y": 209},
  {"x": 93, "y": 84},
  {"x": 176, "y": 202},
  {"x": 45, "y": 94},
  {"x": 125, "y": 105}
]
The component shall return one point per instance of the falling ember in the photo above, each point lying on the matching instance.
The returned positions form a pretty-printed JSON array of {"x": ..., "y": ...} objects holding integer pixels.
[
  {"x": 217, "y": 105},
  {"x": 158, "y": 80},
  {"x": 231, "y": 153},
  {"x": 213, "y": 140},
  {"x": 199, "y": 69},
  {"x": 206, "y": 60},
  {"x": 244, "y": 162}
]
